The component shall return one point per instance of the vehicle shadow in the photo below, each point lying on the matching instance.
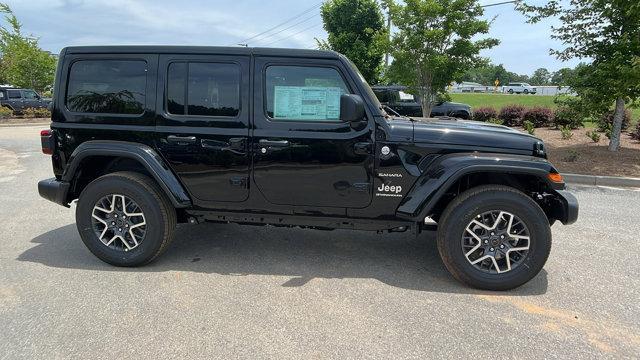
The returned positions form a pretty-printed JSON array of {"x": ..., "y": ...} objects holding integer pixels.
[{"x": 394, "y": 259}]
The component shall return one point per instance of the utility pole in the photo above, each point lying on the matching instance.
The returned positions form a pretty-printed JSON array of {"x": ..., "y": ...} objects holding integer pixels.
[{"x": 386, "y": 55}]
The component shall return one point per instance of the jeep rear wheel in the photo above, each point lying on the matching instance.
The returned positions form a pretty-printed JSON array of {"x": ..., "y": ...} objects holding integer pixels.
[
  {"x": 494, "y": 238},
  {"x": 125, "y": 219}
]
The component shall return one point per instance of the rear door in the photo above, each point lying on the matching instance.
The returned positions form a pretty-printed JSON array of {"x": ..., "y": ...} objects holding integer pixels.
[
  {"x": 15, "y": 99},
  {"x": 203, "y": 124},
  {"x": 305, "y": 156}
]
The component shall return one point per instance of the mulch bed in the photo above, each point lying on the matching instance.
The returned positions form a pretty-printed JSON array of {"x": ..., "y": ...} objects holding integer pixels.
[{"x": 580, "y": 155}]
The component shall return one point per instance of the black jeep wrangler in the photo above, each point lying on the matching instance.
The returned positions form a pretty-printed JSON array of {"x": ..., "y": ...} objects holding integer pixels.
[
  {"x": 404, "y": 103},
  {"x": 145, "y": 137}
]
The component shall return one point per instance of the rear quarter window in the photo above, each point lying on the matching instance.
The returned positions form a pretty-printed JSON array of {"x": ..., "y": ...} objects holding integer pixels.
[{"x": 107, "y": 86}]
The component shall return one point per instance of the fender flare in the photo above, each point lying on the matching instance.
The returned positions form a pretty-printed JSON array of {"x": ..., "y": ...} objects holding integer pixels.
[
  {"x": 447, "y": 169},
  {"x": 141, "y": 153}
]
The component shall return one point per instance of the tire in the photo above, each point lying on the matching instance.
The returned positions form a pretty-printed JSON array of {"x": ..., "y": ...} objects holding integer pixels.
[
  {"x": 158, "y": 219},
  {"x": 525, "y": 91},
  {"x": 458, "y": 219},
  {"x": 510, "y": 91}
]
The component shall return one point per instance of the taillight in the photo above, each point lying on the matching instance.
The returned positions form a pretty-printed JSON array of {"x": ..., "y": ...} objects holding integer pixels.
[{"x": 46, "y": 139}]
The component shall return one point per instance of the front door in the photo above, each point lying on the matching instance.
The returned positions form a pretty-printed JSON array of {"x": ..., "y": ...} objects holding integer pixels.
[
  {"x": 31, "y": 99},
  {"x": 203, "y": 124},
  {"x": 303, "y": 154}
]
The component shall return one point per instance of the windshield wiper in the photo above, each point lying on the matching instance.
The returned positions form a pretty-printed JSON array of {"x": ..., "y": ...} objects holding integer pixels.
[{"x": 387, "y": 107}]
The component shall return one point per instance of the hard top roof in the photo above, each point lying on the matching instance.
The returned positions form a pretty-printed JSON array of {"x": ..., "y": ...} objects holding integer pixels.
[{"x": 217, "y": 50}]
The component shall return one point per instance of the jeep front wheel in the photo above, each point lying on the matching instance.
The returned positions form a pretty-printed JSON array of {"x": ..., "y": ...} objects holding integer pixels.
[
  {"x": 494, "y": 238},
  {"x": 125, "y": 219}
]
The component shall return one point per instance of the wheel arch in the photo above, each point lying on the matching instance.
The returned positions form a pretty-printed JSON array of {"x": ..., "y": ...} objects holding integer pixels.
[
  {"x": 455, "y": 173},
  {"x": 95, "y": 158}
]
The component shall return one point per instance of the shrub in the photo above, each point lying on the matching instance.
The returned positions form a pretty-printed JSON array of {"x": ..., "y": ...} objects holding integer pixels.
[
  {"x": 495, "y": 121},
  {"x": 29, "y": 113},
  {"x": 36, "y": 113},
  {"x": 572, "y": 156},
  {"x": 606, "y": 120},
  {"x": 528, "y": 125},
  {"x": 566, "y": 133},
  {"x": 484, "y": 114},
  {"x": 539, "y": 116},
  {"x": 43, "y": 113},
  {"x": 5, "y": 112},
  {"x": 571, "y": 112},
  {"x": 594, "y": 136},
  {"x": 512, "y": 115}
]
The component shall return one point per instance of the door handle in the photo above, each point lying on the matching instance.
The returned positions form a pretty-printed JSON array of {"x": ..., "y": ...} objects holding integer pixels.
[
  {"x": 181, "y": 140},
  {"x": 363, "y": 148},
  {"x": 273, "y": 143}
]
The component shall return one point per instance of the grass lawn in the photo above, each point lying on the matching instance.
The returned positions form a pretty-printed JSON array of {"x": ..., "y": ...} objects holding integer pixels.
[{"x": 498, "y": 101}]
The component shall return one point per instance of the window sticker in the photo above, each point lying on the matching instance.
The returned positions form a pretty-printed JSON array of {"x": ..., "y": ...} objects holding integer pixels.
[
  {"x": 306, "y": 103},
  {"x": 406, "y": 96}
]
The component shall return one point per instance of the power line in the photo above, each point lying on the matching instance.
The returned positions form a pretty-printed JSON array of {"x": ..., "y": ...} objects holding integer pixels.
[
  {"x": 283, "y": 23},
  {"x": 289, "y": 27},
  {"x": 500, "y": 3},
  {"x": 292, "y": 35}
]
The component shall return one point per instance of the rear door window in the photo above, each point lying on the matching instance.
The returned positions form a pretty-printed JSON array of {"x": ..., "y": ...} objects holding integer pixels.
[
  {"x": 107, "y": 86},
  {"x": 14, "y": 94},
  {"x": 205, "y": 89}
]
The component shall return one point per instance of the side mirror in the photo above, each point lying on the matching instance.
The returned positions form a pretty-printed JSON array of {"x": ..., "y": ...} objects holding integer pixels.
[{"x": 351, "y": 108}]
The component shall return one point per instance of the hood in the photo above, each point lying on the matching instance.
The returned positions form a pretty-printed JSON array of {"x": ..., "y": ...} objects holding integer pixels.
[
  {"x": 454, "y": 104},
  {"x": 470, "y": 133}
]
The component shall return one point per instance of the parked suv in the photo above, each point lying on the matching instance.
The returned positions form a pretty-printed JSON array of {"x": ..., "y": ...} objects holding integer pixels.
[
  {"x": 407, "y": 104},
  {"x": 519, "y": 88},
  {"x": 145, "y": 137},
  {"x": 19, "y": 99}
]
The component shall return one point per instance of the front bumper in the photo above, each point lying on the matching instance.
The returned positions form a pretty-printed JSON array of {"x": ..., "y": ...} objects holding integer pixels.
[
  {"x": 570, "y": 206},
  {"x": 54, "y": 190}
]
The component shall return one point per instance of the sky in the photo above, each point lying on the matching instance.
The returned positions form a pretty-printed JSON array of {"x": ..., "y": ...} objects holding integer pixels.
[{"x": 59, "y": 23}]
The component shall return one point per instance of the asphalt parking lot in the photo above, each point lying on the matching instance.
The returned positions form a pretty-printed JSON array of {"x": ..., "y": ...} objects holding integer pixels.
[{"x": 227, "y": 291}]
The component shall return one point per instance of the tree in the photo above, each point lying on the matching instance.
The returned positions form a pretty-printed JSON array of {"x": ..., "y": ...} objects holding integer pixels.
[
  {"x": 561, "y": 77},
  {"x": 356, "y": 29},
  {"x": 541, "y": 76},
  {"x": 23, "y": 63},
  {"x": 435, "y": 44},
  {"x": 608, "y": 32},
  {"x": 487, "y": 74}
]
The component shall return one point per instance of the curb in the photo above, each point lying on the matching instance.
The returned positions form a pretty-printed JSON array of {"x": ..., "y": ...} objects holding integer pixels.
[
  {"x": 595, "y": 180},
  {"x": 27, "y": 124}
]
